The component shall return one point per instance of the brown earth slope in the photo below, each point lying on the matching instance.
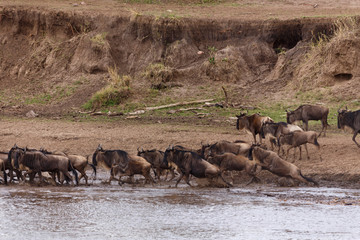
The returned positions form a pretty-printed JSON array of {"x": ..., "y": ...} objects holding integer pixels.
[{"x": 54, "y": 55}]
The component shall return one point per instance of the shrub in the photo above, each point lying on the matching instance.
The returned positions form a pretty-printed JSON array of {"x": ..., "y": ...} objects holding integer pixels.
[
  {"x": 115, "y": 93},
  {"x": 158, "y": 75}
]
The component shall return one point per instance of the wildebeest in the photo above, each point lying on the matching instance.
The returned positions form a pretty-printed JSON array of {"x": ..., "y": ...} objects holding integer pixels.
[
  {"x": 309, "y": 112},
  {"x": 119, "y": 161},
  {"x": 37, "y": 162},
  {"x": 231, "y": 162},
  {"x": 78, "y": 162},
  {"x": 349, "y": 119},
  {"x": 2, "y": 168},
  {"x": 252, "y": 123},
  {"x": 155, "y": 158},
  {"x": 276, "y": 129},
  {"x": 270, "y": 161},
  {"x": 239, "y": 147},
  {"x": 190, "y": 162},
  {"x": 298, "y": 138}
]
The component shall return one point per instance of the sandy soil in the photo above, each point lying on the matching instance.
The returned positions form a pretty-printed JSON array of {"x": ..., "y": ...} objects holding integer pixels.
[
  {"x": 339, "y": 163},
  {"x": 231, "y": 9}
]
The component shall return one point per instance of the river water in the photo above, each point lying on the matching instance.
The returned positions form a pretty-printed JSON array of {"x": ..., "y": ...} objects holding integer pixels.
[{"x": 113, "y": 212}]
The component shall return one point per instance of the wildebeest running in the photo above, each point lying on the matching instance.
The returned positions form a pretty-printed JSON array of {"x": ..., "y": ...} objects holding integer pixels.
[
  {"x": 270, "y": 161},
  {"x": 349, "y": 119},
  {"x": 119, "y": 161},
  {"x": 191, "y": 163}
]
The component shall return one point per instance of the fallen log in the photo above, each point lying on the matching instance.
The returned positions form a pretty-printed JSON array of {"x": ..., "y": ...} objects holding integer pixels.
[{"x": 177, "y": 104}]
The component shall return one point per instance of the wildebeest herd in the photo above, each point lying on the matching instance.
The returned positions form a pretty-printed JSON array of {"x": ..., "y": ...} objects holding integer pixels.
[{"x": 210, "y": 161}]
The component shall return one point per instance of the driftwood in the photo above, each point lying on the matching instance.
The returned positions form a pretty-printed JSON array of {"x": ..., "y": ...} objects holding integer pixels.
[
  {"x": 184, "y": 110},
  {"x": 110, "y": 114},
  {"x": 177, "y": 104}
]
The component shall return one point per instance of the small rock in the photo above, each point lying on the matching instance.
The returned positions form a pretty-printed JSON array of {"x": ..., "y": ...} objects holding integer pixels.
[
  {"x": 83, "y": 3},
  {"x": 31, "y": 114},
  {"x": 200, "y": 52}
]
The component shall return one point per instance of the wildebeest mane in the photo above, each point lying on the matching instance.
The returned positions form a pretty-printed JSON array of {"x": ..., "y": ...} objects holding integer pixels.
[{"x": 349, "y": 118}]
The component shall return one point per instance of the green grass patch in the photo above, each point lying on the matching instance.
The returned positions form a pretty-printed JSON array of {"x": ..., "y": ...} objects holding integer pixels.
[
  {"x": 113, "y": 94},
  {"x": 39, "y": 99}
]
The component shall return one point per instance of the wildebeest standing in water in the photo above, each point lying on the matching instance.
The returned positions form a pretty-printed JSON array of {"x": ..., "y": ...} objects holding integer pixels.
[
  {"x": 270, "y": 161},
  {"x": 349, "y": 119},
  {"x": 309, "y": 112},
  {"x": 156, "y": 159},
  {"x": 37, "y": 162},
  {"x": 78, "y": 162},
  {"x": 121, "y": 162},
  {"x": 2, "y": 168},
  {"x": 190, "y": 162},
  {"x": 252, "y": 123}
]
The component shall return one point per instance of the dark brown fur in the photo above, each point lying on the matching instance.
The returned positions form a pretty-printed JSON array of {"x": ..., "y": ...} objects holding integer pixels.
[
  {"x": 232, "y": 162},
  {"x": 297, "y": 138},
  {"x": 223, "y": 147},
  {"x": 252, "y": 123},
  {"x": 38, "y": 162},
  {"x": 120, "y": 161},
  {"x": 191, "y": 163},
  {"x": 306, "y": 113}
]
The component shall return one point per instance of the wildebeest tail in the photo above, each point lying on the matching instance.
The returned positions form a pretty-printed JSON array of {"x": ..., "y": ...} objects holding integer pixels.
[
  {"x": 93, "y": 167},
  {"x": 91, "y": 164},
  {"x": 309, "y": 179},
  {"x": 74, "y": 172},
  {"x": 316, "y": 142}
]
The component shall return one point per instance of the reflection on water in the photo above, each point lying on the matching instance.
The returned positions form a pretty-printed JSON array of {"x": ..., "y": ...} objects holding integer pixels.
[{"x": 113, "y": 212}]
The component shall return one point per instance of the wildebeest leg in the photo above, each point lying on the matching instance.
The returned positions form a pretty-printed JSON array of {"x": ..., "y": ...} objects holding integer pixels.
[
  {"x": 158, "y": 172},
  {"x": 255, "y": 138},
  {"x": 146, "y": 174},
  {"x": 307, "y": 153},
  {"x": 83, "y": 174},
  {"x": 223, "y": 179},
  {"x": 172, "y": 171},
  {"x": 187, "y": 180},
  {"x": 179, "y": 179},
  {"x": 306, "y": 125},
  {"x": 354, "y": 136},
  {"x": 40, "y": 177},
  {"x": 287, "y": 152}
]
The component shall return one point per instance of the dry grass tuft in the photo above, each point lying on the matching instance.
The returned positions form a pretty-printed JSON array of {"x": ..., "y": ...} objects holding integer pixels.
[
  {"x": 113, "y": 94},
  {"x": 311, "y": 70}
]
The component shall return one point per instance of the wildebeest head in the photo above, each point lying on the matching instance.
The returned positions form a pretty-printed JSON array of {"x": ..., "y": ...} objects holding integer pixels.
[
  {"x": 255, "y": 150},
  {"x": 241, "y": 121},
  {"x": 140, "y": 151},
  {"x": 19, "y": 153},
  {"x": 12, "y": 154},
  {"x": 98, "y": 149},
  {"x": 168, "y": 155},
  {"x": 340, "y": 117},
  {"x": 291, "y": 117},
  {"x": 268, "y": 128},
  {"x": 204, "y": 150}
]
